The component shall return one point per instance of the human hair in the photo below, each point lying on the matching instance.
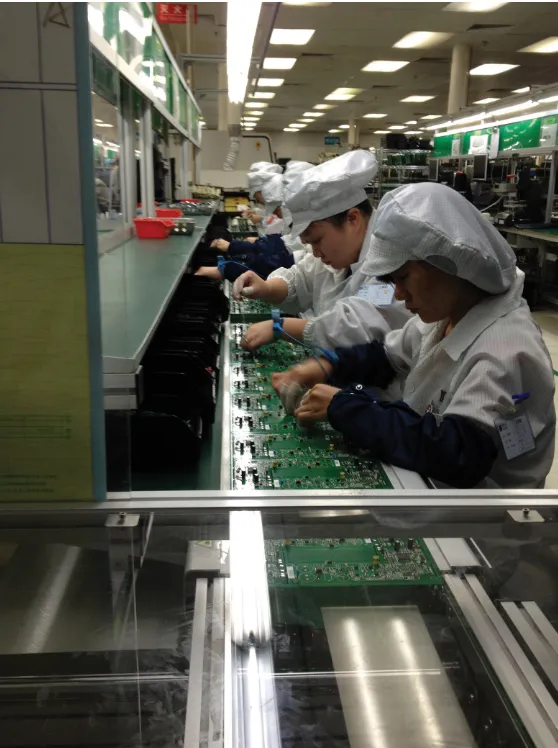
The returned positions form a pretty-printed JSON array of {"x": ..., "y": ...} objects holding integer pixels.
[{"x": 339, "y": 219}]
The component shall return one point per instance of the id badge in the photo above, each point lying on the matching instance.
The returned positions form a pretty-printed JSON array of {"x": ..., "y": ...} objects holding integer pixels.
[
  {"x": 380, "y": 294},
  {"x": 516, "y": 435}
]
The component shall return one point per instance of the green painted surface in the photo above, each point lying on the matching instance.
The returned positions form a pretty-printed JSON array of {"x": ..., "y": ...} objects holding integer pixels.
[
  {"x": 137, "y": 281},
  {"x": 442, "y": 146},
  {"x": 517, "y": 135}
]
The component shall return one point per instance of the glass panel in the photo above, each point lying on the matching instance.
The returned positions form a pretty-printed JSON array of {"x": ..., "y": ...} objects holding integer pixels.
[{"x": 106, "y": 141}]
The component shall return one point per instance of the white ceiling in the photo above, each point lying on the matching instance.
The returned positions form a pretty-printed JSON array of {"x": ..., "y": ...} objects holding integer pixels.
[{"x": 349, "y": 35}]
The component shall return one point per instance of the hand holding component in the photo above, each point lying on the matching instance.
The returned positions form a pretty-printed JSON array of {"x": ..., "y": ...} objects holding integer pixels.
[
  {"x": 307, "y": 373},
  {"x": 315, "y": 403},
  {"x": 249, "y": 285},
  {"x": 261, "y": 333},
  {"x": 291, "y": 394},
  {"x": 220, "y": 244}
]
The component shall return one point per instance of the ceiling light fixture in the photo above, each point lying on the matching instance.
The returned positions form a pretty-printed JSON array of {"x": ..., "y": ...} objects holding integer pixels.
[
  {"x": 103, "y": 124},
  {"x": 417, "y": 99},
  {"x": 313, "y": 114},
  {"x": 381, "y": 132},
  {"x": 343, "y": 94},
  {"x": 307, "y": 121},
  {"x": 548, "y": 100},
  {"x": 492, "y": 68},
  {"x": 516, "y": 108},
  {"x": 411, "y": 122},
  {"x": 438, "y": 126},
  {"x": 100, "y": 120},
  {"x": 271, "y": 82},
  {"x": 256, "y": 104},
  {"x": 384, "y": 66},
  {"x": 413, "y": 132},
  {"x": 488, "y": 100},
  {"x": 241, "y": 32},
  {"x": 397, "y": 127},
  {"x": 250, "y": 119},
  {"x": 296, "y": 125},
  {"x": 431, "y": 116},
  {"x": 477, "y": 6},
  {"x": 525, "y": 89},
  {"x": 278, "y": 63},
  {"x": 344, "y": 127},
  {"x": 262, "y": 95},
  {"x": 291, "y": 36},
  {"x": 324, "y": 106},
  {"x": 335, "y": 129},
  {"x": 289, "y": 129},
  {"x": 254, "y": 111},
  {"x": 545, "y": 47},
  {"x": 374, "y": 116},
  {"x": 421, "y": 39}
]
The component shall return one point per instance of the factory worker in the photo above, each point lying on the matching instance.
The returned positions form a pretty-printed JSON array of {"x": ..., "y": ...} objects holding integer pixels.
[
  {"x": 477, "y": 384},
  {"x": 259, "y": 174},
  {"x": 294, "y": 243},
  {"x": 331, "y": 212}
]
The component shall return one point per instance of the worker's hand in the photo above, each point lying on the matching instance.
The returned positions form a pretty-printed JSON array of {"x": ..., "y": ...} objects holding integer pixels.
[
  {"x": 221, "y": 244},
  {"x": 249, "y": 285},
  {"x": 251, "y": 239},
  {"x": 209, "y": 272},
  {"x": 257, "y": 335},
  {"x": 307, "y": 374},
  {"x": 315, "y": 403},
  {"x": 255, "y": 218}
]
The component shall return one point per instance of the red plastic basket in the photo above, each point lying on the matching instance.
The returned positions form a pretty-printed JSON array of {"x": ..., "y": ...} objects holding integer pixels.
[
  {"x": 168, "y": 212},
  {"x": 153, "y": 228}
]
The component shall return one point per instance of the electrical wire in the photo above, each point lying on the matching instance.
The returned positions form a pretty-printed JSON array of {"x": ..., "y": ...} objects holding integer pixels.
[{"x": 313, "y": 351}]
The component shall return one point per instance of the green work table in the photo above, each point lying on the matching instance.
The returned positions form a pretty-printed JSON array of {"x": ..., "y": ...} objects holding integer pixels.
[{"x": 138, "y": 280}]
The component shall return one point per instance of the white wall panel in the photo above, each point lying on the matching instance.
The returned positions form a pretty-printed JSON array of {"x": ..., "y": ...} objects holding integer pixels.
[
  {"x": 19, "y": 42},
  {"x": 57, "y": 46}
]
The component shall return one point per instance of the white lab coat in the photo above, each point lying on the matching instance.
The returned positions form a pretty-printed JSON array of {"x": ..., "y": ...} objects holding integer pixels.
[
  {"x": 494, "y": 352},
  {"x": 341, "y": 318}
]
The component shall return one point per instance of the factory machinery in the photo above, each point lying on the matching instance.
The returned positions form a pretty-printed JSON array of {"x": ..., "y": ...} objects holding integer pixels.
[{"x": 320, "y": 598}]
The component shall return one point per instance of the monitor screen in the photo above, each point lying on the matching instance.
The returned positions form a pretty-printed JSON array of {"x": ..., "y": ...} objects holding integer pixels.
[
  {"x": 480, "y": 168},
  {"x": 433, "y": 166}
]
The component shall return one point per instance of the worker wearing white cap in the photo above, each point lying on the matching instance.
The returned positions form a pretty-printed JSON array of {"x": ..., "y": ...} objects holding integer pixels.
[
  {"x": 294, "y": 243},
  {"x": 477, "y": 407},
  {"x": 258, "y": 174},
  {"x": 331, "y": 212}
]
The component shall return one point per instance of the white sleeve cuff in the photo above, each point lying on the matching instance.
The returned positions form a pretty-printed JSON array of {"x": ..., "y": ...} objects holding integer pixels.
[
  {"x": 286, "y": 275},
  {"x": 308, "y": 334}
]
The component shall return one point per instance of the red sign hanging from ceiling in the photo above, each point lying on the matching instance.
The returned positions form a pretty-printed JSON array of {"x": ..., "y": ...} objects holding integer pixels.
[{"x": 176, "y": 13}]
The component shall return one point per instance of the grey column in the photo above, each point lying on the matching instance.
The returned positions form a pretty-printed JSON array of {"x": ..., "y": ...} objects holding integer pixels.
[{"x": 459, "y": 77}]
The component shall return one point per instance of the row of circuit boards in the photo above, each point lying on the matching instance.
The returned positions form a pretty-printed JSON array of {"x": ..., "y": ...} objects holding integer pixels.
[{"x": 269, "y": 450}]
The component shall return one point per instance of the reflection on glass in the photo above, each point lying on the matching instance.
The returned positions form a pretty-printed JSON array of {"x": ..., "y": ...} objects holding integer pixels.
[{"x": 106, "y": 146}]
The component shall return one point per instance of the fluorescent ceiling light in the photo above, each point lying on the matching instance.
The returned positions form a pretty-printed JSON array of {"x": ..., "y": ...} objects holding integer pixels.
[
  {"x": 381, "y": 132},
  {"x": 324, "y": 106},
  {"x": 241, "y": 32},
  {"x": 262, "y": 95},
  {"x": 522, "y": 90},
  {"x": 343, "y": 94},
  {"x": 440, "y": 125},
  {"x": 471, "y": 118},
  {"x": 477, "y": 6},
  {"x": 421, "y": 39},
  {"x": 250, "y": 119},
  {"x": 344, "y": 127},
  {"x": 488, "y": 100},
  {"x": 256, "y": 104},
  {"x": 413, "y": 132},
  {"x": 417, "y": 99},
  {"x": 254, "y": 111},
  {"x": 296, "y": 125},
  {"x": 103, "y": 124},
  {"x": 431, "y": 116},
  {"x": 251, "y": 127},
  {"x": 306, "y": 120},
  {"x": 100, "y": 120},
  {"x": 290, "y": 129},
  {"x": 492, "y": 69},
  {"x": 545, "y": 47},
  {"x": 548, "y": 100},
  {"x": 335, "y": 130},
  {"x": 374, "y": 116},
  {"x": 313, "y": 114},
  {"x": 411, "y": 122},
  {"x": 278, "y": 63},
  {"x": 271, "y": 82},
  {"x": 291, "y": 36},
  {"x": 384, "y": 66},
  {"x": 515, "y": 108},
  {"x": 397, "y": 127}
]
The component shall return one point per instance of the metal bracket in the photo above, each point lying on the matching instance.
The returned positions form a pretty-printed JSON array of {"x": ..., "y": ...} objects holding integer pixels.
[
  {"x": 122, "y": 519},
  {"x": 526, "y": 516}
]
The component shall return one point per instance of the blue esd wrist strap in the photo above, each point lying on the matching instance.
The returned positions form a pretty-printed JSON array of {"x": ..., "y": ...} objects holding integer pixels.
[
  {"x": 221, "y": 265},
  {"x": 330, "y": 356},
  {"x": 277, "y": 323}
]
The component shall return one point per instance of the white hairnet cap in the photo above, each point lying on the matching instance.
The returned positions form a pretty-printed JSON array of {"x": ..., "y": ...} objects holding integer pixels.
[
  {"x": 293, "y": 169},
  {"x": 329, "y": 188},
  {"x": 265, "y": 166},
  {"x": 257, "y": 179},
  {"x": 432, "y": 222},
  {"x": 272, "y": 193}
]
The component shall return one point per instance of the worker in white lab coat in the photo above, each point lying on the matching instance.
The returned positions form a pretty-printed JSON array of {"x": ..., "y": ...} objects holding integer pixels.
[
  {"x": 477, "y": 405},
  {"x": 267, "y": 223},
  {"x": 294, "y": 243},
  {"x": 331, "y": 212}
]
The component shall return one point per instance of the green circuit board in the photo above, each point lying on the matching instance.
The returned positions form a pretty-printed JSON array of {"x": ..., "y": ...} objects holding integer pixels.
[
  {"x": 269, "y": 450},
  {"x": 344, "y": 562},
  {"x": 249, "y": 310}
]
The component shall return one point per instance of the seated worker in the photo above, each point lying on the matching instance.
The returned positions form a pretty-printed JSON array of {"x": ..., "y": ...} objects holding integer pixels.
[
  {"x": 331, "y": 212},
  {"x": 294, "y": 243},
  {"x": 259, "y": 174},
  {"x": 477, "y": 407}
]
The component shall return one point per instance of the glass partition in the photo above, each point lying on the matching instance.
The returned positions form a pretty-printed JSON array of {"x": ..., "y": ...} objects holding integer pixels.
[{"x": 107, "y": 145}]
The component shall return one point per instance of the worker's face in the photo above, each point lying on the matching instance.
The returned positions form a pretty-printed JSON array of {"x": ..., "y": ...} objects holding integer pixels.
[
  {"x": 337, "y": 246},
  {"x": 258, "y": 197},
  {"x": 427, "y": 291}
]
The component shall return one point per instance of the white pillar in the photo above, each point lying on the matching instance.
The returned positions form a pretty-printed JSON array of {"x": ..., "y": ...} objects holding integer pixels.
[
  {"x": 146, "y": 164},
  {"x": 459, "y": 77},
  {"x": 353, "y": 134},
  {"x": 223, "y": 98}
]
